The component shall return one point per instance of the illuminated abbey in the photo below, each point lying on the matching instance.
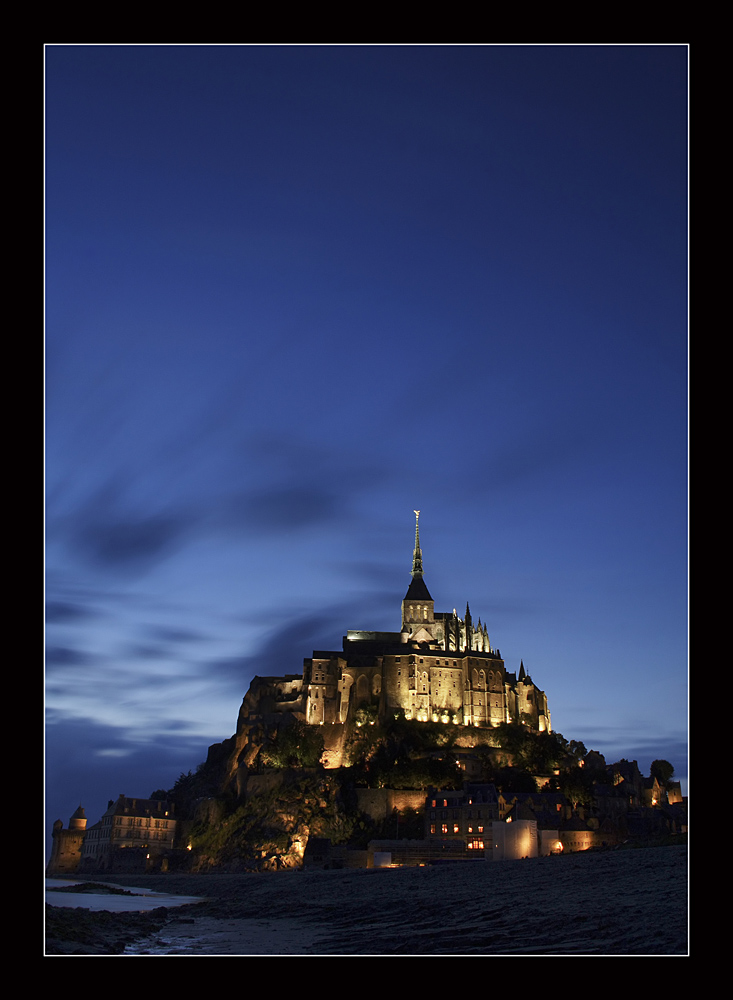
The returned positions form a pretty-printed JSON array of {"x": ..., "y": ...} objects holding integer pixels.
[{"x": 438, "y": 667}]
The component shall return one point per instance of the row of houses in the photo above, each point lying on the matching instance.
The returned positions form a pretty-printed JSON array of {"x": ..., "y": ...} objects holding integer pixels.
[{"x": 477, "y": 822}]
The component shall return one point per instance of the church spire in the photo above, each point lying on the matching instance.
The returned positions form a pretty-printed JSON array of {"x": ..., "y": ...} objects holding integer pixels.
[
  {"x": 417, "y": 554},
  {"x": 417, "y": 590}
]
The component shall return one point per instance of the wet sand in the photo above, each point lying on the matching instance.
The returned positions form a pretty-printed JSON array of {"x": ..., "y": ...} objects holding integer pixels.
[
  {"x": 631, "y": 902},
  {"x": 213, "y": 936}
]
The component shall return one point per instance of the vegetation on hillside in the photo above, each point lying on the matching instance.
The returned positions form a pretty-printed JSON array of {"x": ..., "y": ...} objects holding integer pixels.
[
  {"x": 294, "y": 745},
  {"x": 301, "y": 799}
]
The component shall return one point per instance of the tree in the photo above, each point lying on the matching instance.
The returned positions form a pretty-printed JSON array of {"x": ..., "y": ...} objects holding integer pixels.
[
  {"x": 662, "y": 770},
  {"x": 577, "y": 750},
  {"x": 515, "y": 779},
  {"x": 295, "y": 744},
  {"x": 544, "y": 752},
  {"x": 366, "y": 715}
]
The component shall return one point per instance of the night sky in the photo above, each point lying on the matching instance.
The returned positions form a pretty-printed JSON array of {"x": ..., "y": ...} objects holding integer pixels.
[{"x": 294, "y": 293}]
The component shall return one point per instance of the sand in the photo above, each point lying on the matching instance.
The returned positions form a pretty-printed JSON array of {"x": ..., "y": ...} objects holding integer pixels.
[{"x": 626, "y": 902}]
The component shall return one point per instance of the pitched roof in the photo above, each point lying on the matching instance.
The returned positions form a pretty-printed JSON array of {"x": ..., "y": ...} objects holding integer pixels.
[{"x": 418, "y": 591}]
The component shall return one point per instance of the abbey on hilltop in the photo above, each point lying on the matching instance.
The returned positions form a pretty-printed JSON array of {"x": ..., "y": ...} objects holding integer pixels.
[{"x": 438, "y": 667}]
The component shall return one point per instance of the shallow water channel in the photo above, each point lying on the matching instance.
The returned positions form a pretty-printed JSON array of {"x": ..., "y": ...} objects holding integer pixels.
[{"x": 139, "y": 900}]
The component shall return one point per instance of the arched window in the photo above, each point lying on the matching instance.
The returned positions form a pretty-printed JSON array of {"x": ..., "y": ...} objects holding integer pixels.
[{"x": 362, "y": 688}]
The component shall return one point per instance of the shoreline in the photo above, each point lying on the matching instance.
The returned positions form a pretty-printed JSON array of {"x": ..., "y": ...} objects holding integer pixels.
[{"x": 610, "y": 903}]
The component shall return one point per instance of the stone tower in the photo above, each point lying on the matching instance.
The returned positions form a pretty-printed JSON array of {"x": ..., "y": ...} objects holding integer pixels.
[{"x": 67, "y": 844}]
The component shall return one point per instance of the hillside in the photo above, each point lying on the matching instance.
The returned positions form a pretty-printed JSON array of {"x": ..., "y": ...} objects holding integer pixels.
[{"x": 256, "y": 805}]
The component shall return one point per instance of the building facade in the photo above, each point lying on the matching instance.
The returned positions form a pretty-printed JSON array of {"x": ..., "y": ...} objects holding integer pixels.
[
  {"x": 144, "y": 824},
  {"x": 466, "y": 815}
]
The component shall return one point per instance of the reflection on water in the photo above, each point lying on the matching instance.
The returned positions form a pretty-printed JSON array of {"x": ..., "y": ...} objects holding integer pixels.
[{"x": 140, "y": 899}]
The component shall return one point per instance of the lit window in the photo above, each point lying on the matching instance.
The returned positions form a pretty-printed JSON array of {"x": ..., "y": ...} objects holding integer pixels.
[
  {"x": 456, "y": 828},
  {"x": 444, "y": 828}
]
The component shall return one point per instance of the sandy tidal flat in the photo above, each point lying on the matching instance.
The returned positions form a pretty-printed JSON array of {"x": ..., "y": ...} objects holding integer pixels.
[{"x": 631, "y": 902}]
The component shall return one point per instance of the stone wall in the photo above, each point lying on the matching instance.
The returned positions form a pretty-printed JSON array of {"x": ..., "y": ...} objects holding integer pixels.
[
  {"x": 379, "y": 803},
  {"x": 65, "y": 851},
  {"x": 258, "y": 784},
  {"x": 334, "y": 737}
]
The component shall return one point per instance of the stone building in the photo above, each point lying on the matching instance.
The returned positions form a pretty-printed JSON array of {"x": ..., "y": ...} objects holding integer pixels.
[
  {"x": 439, "y": 667},
  {"x": 465, "y": 816},
  {"x": 66, "y": 847},
  {"x": 145, "y": 826}
]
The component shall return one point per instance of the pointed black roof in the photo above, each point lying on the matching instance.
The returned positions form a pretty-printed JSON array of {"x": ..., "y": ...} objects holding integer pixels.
[{"x": 418, "y": 591}]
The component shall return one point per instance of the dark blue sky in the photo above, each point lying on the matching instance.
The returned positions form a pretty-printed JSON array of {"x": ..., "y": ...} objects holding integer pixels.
[{"x": 293, "y": 293}]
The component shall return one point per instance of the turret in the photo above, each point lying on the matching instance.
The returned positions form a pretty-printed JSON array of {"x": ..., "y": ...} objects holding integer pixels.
[{"x": 79, "y": 820}]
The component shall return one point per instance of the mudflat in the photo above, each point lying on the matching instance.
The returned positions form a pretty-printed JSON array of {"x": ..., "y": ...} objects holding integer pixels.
[{"x": 624, "y": 902}]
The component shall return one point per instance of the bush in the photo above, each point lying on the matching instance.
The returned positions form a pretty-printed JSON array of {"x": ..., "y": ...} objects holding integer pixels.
[{"x": 295, "y": 744}]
